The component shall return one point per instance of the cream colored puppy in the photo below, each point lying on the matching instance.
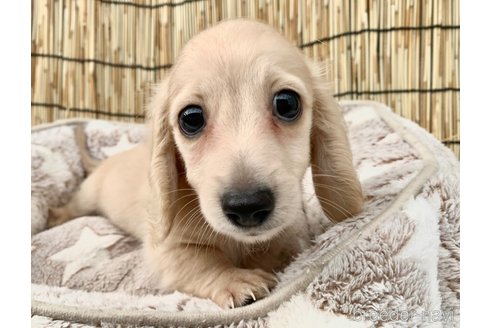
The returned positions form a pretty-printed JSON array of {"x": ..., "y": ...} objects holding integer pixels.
[{"x": 215, "y": 193}]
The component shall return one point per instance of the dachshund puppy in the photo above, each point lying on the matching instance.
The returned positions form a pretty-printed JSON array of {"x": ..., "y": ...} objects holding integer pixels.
[{"x": 215, "y": 192}]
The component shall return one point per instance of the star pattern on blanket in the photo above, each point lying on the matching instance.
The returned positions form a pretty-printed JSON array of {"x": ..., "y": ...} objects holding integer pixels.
[
  {"x": 90, "y": 250},
  {"x": 123, "y": 144}
]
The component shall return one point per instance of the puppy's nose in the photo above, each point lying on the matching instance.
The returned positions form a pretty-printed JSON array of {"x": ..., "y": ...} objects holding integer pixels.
[{"x": 248, "y": 208}]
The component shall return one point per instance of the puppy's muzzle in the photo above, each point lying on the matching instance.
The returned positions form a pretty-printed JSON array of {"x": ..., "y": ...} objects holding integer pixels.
[{"x": 248, "y": 208}]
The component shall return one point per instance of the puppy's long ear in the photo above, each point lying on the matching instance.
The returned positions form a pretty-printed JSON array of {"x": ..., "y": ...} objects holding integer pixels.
[
  {"x": 163, "y": 165},
  {"x": 335, "y": 180}
]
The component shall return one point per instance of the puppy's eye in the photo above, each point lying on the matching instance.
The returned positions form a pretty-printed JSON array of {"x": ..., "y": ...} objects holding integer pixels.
[
  {"x": 286, "y": 105},
  {"x": 191, "y": 120}
]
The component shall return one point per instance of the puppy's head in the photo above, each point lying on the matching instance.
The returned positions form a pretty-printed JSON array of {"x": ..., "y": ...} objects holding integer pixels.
[{"x": 247, "y": 114}]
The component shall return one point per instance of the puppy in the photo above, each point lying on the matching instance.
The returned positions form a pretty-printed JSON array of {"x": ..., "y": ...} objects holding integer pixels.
[{"x": 215, "y": 192}]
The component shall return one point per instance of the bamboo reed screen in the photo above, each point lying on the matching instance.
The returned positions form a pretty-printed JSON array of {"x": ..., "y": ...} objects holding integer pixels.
[{"x": 99, "y": 58}]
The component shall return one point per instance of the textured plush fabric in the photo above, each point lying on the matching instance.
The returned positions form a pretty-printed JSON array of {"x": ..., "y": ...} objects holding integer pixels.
[{"x": 394, "y": 267}]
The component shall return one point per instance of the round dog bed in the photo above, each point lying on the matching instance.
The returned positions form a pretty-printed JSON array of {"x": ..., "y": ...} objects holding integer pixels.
[{"x": 395, "y": 264}]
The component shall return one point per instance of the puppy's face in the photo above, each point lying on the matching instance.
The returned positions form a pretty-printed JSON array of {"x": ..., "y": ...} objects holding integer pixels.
[{"x": 240, "y": 106}]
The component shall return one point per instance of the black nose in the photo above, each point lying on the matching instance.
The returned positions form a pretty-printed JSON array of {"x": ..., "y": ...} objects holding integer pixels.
[{"x": 248, "y": 208}]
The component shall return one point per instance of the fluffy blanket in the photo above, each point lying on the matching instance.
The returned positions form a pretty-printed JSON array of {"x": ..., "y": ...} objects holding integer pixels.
[{"x": 394, "y": 265}]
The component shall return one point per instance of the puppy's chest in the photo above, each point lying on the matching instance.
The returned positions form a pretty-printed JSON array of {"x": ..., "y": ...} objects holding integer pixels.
[{"x": 269, "y": 256}]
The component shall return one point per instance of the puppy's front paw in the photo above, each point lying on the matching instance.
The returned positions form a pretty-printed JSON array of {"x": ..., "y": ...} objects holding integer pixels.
[{"x": 237, "y": 287}]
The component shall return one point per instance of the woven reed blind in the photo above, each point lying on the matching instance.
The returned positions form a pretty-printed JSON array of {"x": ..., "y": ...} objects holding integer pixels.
[{"x": 99, "y": 58}]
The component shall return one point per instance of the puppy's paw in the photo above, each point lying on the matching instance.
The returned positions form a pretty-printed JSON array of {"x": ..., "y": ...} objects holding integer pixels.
[{"x": 237, "y": 287}]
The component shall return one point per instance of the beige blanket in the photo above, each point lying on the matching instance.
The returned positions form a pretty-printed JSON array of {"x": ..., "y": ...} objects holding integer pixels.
[{"x": 394, "y": 265}]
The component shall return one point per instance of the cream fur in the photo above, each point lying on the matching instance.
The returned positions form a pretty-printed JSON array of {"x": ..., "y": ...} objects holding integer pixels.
[{"x": 165, "y": 191}]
